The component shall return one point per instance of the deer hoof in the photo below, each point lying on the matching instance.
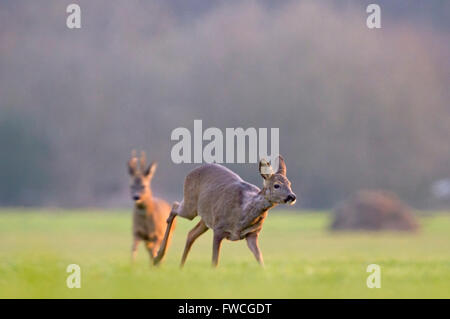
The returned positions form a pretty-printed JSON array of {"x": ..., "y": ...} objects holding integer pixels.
[{"x": 156, "y": 260}]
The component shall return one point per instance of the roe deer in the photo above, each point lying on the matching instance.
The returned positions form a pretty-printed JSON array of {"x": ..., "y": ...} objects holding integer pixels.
[
  {"x": 150, "y": 213},
  {"x": 231, "y": 207}
]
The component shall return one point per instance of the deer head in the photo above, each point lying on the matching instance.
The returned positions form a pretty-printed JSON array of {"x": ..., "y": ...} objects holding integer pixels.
[
  {"x": 140, "y": 177},
  {"x": 277, "y": 188}
]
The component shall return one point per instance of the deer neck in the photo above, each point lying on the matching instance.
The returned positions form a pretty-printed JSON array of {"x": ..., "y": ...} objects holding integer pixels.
[
  {"x": 146, "y": 204},
  {"x": 256, "y": 207}
]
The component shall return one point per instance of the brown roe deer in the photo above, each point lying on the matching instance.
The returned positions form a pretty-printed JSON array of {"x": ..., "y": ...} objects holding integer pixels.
[
  {"x": 231, "y": 207},
  {"x": 150, "y": 213}
]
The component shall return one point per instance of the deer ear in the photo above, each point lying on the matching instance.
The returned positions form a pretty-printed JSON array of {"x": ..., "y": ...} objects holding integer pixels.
[
  {"x": 151, "y": 169},
  {"x": 281, "y": 166},
  {"x": 132, "y": 163},
  {"x": 265, "y": 169},
  {"x": 143, "y": 162}
]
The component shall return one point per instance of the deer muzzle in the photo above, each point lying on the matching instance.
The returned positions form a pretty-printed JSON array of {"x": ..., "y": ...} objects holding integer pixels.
[{"x": 291, "y": 199}]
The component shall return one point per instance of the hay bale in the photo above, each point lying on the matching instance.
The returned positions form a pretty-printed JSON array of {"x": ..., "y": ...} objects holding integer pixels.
[{"x": 373, "y": 210}]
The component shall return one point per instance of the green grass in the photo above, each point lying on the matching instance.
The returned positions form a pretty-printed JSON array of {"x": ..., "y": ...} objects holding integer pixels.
[{"x": 303, "y": 259}]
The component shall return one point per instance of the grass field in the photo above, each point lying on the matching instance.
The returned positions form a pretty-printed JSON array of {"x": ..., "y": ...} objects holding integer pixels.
[{"x": 303, "y": 259}]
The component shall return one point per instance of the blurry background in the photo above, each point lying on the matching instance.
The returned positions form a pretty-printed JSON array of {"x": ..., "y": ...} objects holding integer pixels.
[{"x": 357, "y": 108}]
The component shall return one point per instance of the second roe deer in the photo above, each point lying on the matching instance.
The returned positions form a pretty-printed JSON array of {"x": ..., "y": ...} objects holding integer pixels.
[
  {"x": 150, "y": 213},
  {"x": 231, "y": 207}
]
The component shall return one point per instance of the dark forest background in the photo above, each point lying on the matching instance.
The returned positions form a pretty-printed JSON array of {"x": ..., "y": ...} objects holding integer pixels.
[{"x": 356, "y": 108}]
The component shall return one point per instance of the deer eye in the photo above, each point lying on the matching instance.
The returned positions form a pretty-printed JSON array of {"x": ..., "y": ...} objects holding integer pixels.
[{"x": 276, "y": 186}]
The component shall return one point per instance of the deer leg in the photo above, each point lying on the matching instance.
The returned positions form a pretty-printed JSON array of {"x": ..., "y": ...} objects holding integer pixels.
[
  {"x": 163, "y": 247},
  {"x": 252, "y": 243},
  {"x": 196, "y": 232},
  {"x": 152, "y": 249},
  {"x": 217, "y": 243},
  {"x": 134, "y": 248}
]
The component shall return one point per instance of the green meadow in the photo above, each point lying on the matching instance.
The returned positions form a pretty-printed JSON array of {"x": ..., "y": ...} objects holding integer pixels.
[{"x": 303, "y": 259}]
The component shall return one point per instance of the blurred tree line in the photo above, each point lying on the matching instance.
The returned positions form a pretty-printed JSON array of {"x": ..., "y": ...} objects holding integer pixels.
[
  {"x": 356, "y": 108},
  {"x": 25, "y": 162}
]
